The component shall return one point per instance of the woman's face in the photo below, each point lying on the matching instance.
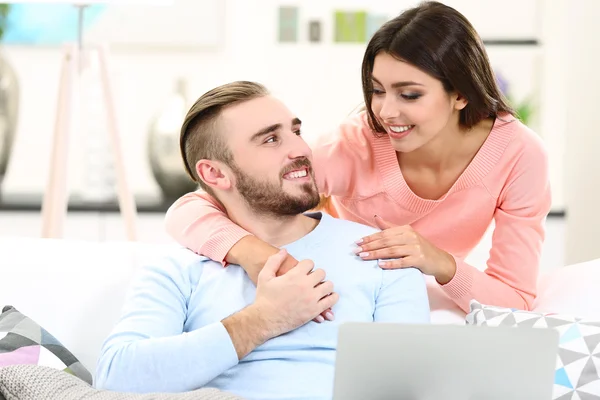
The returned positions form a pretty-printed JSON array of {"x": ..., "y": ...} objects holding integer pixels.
[{"x": 412, "y": 106}]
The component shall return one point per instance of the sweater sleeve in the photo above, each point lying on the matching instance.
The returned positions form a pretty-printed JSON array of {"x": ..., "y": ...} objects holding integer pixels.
[
  {"x": 148, "y": 350},
  {"x": 510, "y": 279},
  {"x": 402, "y": 297},
  {"x": 341, "y": 156},
  {"x": 198, "y": 222}
]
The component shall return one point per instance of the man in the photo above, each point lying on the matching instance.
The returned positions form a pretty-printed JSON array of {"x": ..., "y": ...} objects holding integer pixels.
[{"x": 191, "y": 323}]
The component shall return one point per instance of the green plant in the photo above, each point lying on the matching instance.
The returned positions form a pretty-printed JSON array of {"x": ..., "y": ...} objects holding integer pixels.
[
  {"x": 524, "y": 109},
  {"x": 4, "y": 10}
]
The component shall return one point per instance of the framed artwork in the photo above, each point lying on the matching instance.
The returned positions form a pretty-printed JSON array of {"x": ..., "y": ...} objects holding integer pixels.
[
  {"x": 350, "y": 26},
  {"x": 374, "y": 22},
  {"x": 314, "y": 31},
  {"x": 288, "y": 24}
]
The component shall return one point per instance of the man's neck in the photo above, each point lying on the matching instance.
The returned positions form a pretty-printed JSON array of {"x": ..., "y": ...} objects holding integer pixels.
[{"x": 277, "y": 230}]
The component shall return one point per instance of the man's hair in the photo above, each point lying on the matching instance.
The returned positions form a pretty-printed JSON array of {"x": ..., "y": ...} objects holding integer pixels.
[{"x": 200, "y": 137}]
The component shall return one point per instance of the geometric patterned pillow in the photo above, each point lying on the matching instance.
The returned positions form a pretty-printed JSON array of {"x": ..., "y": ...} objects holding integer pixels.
[
  {"x": 578, "y": 362},
  {"x": 23, "y": 341}
]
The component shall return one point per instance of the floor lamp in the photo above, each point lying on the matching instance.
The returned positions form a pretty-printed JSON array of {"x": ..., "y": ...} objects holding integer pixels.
[{"x": 54, "y": 205}]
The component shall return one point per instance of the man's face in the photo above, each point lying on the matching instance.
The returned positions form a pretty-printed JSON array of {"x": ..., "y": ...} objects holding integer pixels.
[{"x": 271, "y": 161}]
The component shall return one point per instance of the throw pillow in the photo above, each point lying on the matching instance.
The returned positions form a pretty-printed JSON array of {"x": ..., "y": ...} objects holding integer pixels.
[
  {"x": 578, "y": 360},
  {"x": 34, "y": 382},
  {"x": 23, "y": 341}
]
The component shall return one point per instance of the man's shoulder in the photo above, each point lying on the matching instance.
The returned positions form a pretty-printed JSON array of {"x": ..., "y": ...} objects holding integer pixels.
[
  {"x": 346, "y": 227},
  {"x": 177, "y": 263}
]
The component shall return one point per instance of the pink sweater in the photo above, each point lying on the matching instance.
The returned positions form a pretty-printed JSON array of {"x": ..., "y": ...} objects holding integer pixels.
[{"x": 507, "y": 182}]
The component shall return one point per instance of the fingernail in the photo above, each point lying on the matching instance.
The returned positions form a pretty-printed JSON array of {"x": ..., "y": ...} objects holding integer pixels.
[
  {"x": 382, "y": 263},
  {"x": 320, "y": 319},
  {"x": 329, "y": 316},
  {"x": 359, "y": 241},
  {"x": 363, "y": 254},
  {"x": 358, "y": 250}
]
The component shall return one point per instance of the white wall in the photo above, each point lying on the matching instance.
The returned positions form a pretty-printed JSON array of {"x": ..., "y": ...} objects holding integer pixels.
[
  {"x": 582, "y": 142},
  {"x": 321, "y": 82}
]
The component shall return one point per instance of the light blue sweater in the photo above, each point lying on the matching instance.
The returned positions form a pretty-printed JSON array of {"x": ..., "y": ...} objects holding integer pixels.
[{"x": 170, "y": 338}]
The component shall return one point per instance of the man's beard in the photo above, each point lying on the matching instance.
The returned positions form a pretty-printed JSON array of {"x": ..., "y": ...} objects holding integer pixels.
[{"x": 269, "y": 198}]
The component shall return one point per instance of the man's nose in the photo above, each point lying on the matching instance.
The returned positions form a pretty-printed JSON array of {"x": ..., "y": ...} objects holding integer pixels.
[{"x": 299, "y": 148}]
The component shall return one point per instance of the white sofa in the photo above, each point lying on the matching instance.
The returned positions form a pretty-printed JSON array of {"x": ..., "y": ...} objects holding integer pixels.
[{"x": 75, "y": 289}]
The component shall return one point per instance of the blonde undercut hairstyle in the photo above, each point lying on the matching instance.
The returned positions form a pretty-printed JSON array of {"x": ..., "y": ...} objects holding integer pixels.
[{"x": 201, "y": 137}]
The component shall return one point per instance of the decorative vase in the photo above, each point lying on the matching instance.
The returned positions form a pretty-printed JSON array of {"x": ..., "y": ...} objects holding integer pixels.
[
  {"x": 9, "y": 107},
  {"x": 163, "y": 147}
]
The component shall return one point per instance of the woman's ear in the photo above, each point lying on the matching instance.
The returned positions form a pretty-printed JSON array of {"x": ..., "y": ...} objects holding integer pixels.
[
  {"x": 460, "y": 101},
  {"x": 214, "y": 174}
]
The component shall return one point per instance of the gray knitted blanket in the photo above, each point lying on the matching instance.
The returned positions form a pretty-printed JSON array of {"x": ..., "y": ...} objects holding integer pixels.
[{"x": 34, "y": 382}]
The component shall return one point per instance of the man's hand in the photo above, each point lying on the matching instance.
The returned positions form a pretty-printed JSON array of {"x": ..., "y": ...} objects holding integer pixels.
[
  {"x": 290, "y": 262},
  {"x": 289, "y": 301},
  {"x": 252, "y": 254},
  {"x": 283, "y": 303}
]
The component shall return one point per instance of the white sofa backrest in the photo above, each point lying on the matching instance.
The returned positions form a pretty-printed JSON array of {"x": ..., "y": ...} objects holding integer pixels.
[
  {"x": 76, "y": 289},
  {"x": 73, "y": 289}
]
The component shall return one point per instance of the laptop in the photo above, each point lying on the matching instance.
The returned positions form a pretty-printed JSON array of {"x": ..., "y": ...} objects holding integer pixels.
[{"x": 431, "y": 362}]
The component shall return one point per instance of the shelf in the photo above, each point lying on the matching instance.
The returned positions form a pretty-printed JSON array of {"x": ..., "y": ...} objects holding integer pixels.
[
  {"x": 511, "y": 42},
  {"x": 32, "y": 202}
]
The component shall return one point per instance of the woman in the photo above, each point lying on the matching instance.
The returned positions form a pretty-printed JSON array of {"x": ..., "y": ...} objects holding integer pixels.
[{"x": 437, "y": 155}]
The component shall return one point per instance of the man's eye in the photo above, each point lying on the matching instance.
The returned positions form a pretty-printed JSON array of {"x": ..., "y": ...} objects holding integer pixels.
[
  {"x": 298, "y": 132},
  {"x": 271, "y": 139}
]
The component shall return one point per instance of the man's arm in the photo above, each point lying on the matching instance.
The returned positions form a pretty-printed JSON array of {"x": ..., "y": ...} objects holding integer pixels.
[
  {"x": 148, "y": 351},
  {"x": 402, "y": 297}
]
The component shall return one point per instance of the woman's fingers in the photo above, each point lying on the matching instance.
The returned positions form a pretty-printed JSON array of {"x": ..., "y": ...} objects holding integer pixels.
[
  {"x": 380, "y": 244},
  {"x": 387, "y": 233},
  {"x": 404, "y": 262},
  {"x": 371, "y": 238},
  {"x": 388, "y": 252}
]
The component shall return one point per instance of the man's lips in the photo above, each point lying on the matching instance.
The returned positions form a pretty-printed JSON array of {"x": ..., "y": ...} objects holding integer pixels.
[{"x": 297, "y": 173}]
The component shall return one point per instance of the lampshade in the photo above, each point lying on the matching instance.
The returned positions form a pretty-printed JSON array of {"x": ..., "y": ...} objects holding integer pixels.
[
  {"x": 122, "y": 24},
  {"x": 93, "y": 2}
]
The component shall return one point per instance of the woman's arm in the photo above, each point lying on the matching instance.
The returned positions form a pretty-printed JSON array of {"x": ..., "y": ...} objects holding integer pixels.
[
  {"x": 198, "y": 222},
  {"x": 510, "y": 279}
]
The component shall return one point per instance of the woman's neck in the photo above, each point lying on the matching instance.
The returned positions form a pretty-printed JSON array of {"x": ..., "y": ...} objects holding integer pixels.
[{"x": 450, "y": 147}]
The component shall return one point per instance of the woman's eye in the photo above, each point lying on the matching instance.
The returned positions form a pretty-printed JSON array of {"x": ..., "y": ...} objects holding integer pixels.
[
  {"x": 298, "y": 132},
  {"x": 411, "y": 96},
  {"x": 378, "y": 92}
]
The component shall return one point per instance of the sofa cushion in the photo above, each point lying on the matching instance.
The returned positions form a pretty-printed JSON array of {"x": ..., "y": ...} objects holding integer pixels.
[
  {"x": 23, "y": 341},
  {"x": 33, "y": 382},
  {"x": 578, "y": 359},
  {"x": 571, "y": 290}
]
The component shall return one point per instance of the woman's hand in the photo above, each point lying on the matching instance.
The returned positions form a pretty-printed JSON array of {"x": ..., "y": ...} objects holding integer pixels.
[{"x": 402, "y": 247}]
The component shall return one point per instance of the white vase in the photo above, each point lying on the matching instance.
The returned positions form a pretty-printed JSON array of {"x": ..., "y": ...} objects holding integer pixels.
[
  {"x": 9, "y": 107},
  {"x": 163, "y": 146}
]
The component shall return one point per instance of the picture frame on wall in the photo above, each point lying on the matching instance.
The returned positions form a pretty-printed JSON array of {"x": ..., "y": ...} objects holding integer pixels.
[
  {"x": 350, "y": 26},
  {"x": 314, "y": 31},
  {"x": 288, "y": 24}
]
